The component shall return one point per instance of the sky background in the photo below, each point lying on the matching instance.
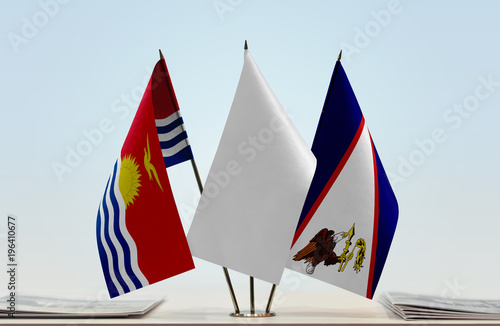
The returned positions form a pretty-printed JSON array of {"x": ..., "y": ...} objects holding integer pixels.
[{"x": 426, "y": 76}]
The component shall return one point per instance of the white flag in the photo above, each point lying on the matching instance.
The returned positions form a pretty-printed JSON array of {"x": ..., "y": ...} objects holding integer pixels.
[{"x": 254, "y": 193}]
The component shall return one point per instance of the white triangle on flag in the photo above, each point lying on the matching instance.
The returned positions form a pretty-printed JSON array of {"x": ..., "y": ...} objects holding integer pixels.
[{"x": 349, "y": 201}]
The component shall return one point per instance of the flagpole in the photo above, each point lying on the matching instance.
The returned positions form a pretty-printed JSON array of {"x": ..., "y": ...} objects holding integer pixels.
[
  {"x": 224, "y": 269},
  {"x": 273, "y": 289},
  {"x": 252, "y": 293},
  {"x": 200, "y": 187},
  {"x": 270, "y": 300},
  {"x": 268, "y": 312},
  {"x": 252, "y": 297},
  {"x": 197, "y": 175}
]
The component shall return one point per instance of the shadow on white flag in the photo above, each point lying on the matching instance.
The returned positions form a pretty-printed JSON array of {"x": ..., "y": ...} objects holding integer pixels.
[{"x": 253, "y": 196}]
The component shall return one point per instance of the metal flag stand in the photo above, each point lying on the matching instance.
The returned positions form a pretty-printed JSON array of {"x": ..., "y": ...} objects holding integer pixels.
[
  {"x": 200, "y": 187},
  {"x": 237, "y": 312},
  {"x": 253, "y": 312}
]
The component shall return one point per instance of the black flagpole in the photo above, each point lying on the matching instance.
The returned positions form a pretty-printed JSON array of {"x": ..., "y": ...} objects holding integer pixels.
[
  {"x": 268, "y": 312},
  {"x": 270, "y": 300},
  {"x": 200, "y": 187},
  {"x": 224, "y": 269},
  {"x": 273, "y": 289}
]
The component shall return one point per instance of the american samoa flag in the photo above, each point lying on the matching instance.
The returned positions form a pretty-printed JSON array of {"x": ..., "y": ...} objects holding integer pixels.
[
  {"x": 350, "y": 212},
  {"x": 139, "y": 233}
]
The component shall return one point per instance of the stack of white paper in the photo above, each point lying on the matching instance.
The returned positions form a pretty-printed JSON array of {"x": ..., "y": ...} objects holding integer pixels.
[
  {"x": 412, "y": 307},
  {"x": 50, "y": 307}
]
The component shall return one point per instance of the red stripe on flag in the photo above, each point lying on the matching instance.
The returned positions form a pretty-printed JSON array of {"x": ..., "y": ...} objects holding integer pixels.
[
  {"x": 330, "y": 182},
  {"x": 375, "y": 226}
]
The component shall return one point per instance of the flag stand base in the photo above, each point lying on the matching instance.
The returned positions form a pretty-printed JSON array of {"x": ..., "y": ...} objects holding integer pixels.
[
  {"x": 247, "y": 313},
  {"x": 252, "y": 313}
]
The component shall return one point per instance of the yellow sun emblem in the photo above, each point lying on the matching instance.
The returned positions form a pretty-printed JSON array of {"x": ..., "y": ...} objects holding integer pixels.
[{"x": 129, "y": 182}]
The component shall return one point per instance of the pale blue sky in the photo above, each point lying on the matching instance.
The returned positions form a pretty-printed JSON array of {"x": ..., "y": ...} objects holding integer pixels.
[{"x": 68, "y": 67}]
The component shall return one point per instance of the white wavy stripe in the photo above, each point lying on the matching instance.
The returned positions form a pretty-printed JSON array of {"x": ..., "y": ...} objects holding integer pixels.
[
  {"x": 168, "y": 120},
  {"x": 106, "y": 247},
  {"x": 171, "y": 134},
  {"x": 112, "y": 234},
  {"x": 131, "y": 243},
  {"x": 167, "y": 152}
]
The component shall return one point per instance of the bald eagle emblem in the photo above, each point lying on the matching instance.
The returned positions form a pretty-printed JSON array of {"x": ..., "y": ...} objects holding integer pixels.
[{"x": 320, "y": 249}]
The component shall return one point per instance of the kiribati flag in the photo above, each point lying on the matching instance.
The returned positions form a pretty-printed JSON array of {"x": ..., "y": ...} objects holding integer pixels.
[
  {"x": 350, "y": 213},
  {"x": 139, "y": 233}
]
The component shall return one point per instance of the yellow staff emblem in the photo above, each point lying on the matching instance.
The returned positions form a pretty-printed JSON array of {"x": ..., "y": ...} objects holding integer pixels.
[{"x": 347, "y": 256}]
